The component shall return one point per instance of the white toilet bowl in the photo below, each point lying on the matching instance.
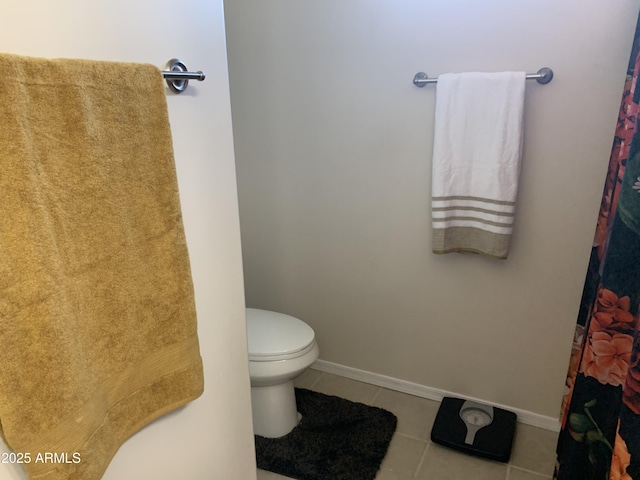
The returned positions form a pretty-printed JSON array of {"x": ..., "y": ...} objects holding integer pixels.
[{"x": 281, "y": 347}]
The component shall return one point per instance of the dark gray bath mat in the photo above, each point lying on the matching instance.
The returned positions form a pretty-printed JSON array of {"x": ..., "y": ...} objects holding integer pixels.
[{"x": 336, "y": 440}]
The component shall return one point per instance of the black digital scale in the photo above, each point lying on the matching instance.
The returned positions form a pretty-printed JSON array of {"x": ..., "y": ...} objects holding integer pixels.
[{"x": 475, "y": 428}]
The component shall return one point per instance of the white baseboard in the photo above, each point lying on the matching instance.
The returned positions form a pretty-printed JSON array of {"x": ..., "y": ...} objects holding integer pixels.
[{"x": 524, "y": 416}]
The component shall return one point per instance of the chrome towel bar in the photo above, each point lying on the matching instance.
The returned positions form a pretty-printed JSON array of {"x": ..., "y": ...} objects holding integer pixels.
[
  {"x": 178, "y": 76},
  {"x": 543, "y": 76}
]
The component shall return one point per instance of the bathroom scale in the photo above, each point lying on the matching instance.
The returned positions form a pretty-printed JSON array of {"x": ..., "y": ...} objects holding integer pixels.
[{"x": 474, "y": 428}]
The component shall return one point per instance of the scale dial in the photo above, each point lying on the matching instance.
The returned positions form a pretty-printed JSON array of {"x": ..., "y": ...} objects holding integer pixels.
[{"x": 475, "y": 416}]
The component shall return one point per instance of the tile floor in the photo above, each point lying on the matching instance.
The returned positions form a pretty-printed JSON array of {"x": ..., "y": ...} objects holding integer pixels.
[{"x": 412, "y": 456}]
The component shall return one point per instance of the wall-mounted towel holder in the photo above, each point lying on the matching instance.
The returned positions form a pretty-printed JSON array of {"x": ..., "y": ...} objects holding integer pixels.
[
  {"x": 178, "y": 76},
  {"x": 543, "y": 76}
]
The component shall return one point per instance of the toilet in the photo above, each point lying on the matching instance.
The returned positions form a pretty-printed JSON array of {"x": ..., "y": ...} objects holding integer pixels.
[{"x": 281, "y": 347}]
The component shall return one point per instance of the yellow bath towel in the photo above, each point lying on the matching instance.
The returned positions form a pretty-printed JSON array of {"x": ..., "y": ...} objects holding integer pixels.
[{"x": 97, "y": 318}]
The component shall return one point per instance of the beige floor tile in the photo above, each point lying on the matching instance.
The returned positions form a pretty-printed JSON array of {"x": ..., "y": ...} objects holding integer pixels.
[
  {"x": 402, "y": 459},
  {"x": 517, "y": 474},
  {"x": 534, "y": 449},
  {"x": 346, "y": 388},
  {"x": 441, "y": 463},
  {"x": 307, "y": 379},
  {"x": 265, "y": 475},
  {"x": 415, "y": 414}
]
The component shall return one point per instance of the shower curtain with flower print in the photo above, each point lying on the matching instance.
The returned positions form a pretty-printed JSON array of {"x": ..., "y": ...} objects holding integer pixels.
[{"x": 600, "y": 434}]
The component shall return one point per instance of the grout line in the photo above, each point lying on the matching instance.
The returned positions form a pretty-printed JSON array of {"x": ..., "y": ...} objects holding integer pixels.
[
  {"x": 424, "y": 454},
  {"x": 316, "y": 380},
  {"x": 532, "y": 472},
  {"x": 377, "y": 394},
  {"x": 411, "y": 437}
]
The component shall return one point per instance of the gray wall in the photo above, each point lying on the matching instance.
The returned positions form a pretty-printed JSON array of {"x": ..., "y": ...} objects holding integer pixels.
[{"x": 333, "y": 149}]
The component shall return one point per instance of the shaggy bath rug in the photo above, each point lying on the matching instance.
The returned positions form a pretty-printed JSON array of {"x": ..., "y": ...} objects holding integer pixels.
[{"x": 335, "y": 440}]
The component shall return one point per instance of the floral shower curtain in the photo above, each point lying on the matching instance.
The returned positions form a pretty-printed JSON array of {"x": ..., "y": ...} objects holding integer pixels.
[{"x": 600, "y": 434}]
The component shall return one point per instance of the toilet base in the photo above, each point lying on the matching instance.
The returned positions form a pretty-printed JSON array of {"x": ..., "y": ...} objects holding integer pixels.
[{"x": 274, "y": 409}]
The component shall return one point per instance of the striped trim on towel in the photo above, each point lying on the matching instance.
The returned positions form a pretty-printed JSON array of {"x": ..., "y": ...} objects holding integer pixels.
[{"x": 472, "y": 224}]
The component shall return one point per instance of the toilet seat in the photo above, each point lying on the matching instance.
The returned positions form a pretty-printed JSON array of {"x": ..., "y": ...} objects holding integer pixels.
[{"x": 276, "y": 336}]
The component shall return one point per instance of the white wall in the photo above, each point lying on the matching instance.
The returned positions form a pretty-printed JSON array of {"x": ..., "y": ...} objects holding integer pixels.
[
  {"x": 333, "y": 150},
  {"x": 212, "y": 436}
]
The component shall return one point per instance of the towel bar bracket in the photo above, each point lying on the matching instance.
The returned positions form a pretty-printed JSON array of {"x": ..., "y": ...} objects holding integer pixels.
[
  {"x": 542, "y": 76},
  {"x": 421, "y": 79},
  {"x": 178, "y": 76},
  {"x": 546, "y": 75}
]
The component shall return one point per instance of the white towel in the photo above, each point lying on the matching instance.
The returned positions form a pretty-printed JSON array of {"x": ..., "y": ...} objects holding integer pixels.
[{"x": 476, "y": 161}]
